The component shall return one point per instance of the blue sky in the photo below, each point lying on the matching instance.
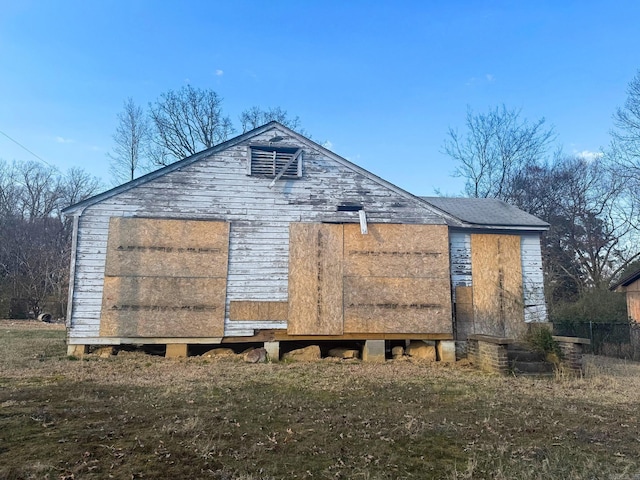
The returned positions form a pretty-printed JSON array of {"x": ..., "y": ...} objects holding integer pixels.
[{"x": 381, "y": 82}]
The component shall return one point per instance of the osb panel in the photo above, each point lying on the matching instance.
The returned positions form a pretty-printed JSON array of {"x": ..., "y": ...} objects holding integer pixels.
[
  {"x": 396, "y": 305},
  {"x": 159, "y": 247},
  {"x": 315, "y": 279},
  {"x": 390, "y": 250},
  {"x": 257, "y": 310},
  {"x": 497, "y": 285},
  {"x": 633, "y": 305},
  {"x": 464, "y": 312},
  {"x": 163, "y": 307},
  {"x": 464, "y": 294},
  {"x": 165, "y": 278}
]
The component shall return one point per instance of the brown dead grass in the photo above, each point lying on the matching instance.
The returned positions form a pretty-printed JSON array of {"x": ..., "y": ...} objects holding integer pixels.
[{"x": 140, "y": 416}]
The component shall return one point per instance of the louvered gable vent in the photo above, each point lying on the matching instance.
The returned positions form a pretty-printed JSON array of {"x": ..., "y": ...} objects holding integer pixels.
[{"x": 269, "y": 161}]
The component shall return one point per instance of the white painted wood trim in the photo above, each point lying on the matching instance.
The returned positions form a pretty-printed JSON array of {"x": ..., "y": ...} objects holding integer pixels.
[
  {"x": 72, "y": 272},
  {"x": 364, "y": 230}
]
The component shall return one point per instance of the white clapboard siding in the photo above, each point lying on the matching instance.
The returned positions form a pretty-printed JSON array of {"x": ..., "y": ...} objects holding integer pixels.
[
  {"x": 460, "y": 244},
  {"x": 535, "y": 309},
  {"x": 218, "y": 188}
]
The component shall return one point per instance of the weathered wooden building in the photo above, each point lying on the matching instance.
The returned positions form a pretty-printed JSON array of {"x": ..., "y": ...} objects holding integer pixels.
[
  {"x": 630, "y": 285},
  {"x": 270, "y": 237}
]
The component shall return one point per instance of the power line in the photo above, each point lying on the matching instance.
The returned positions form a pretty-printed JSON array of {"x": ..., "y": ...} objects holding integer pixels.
[{"x": 25, "y": 148}]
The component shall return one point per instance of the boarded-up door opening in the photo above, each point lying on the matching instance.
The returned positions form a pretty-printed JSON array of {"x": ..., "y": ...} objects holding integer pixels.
[
  {"x": 497, "y": 285},
  {"x": 315, "y": 279},
  {"x": 395, "y": 279},
  {"x": 165, "y": 278}
]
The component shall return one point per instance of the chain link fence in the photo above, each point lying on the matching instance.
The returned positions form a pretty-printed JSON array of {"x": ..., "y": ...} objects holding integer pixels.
[{"x": 612, "y": 339}]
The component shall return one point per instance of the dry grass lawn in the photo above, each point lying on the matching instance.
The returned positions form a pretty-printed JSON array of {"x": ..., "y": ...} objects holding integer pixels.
[{"x": 141, "y": 416}]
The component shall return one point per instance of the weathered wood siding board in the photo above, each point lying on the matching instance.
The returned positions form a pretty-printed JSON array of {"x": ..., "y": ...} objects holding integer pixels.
[
  {"x": 460, "y": 245},
  {"x": 218, "y": 188},
  {"x": 535, "y": 309}
]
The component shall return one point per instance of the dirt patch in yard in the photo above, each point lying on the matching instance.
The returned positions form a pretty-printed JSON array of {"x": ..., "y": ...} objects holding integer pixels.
[{"x": 140, "y": 416}]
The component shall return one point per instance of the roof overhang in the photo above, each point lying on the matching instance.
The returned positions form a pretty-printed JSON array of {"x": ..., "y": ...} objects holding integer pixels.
[{"x": 621, "y": 286}]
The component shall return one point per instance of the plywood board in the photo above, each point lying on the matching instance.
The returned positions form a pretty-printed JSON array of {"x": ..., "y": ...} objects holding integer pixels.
[
  {"x": 397, "y": 279},
  {"x": 258, "y": 310},
  {"x": 391, "y": 250},
  {"x": 162, "y": 307},
  {"x": 315, "y": 279},
  {"x": 464, "y": 312},
  {"x": 497, "y": 285},
  {"x": 159, "y": 247},
  {"x": 397, "y": 305},
  {"x": 165, "y": 278}
]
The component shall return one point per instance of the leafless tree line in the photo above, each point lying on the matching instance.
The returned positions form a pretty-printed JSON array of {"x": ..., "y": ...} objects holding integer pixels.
[
  {"x": 180, "y": 123},
  {"x": 35, "y": 237},
  {"x": 591, "y": 203}
]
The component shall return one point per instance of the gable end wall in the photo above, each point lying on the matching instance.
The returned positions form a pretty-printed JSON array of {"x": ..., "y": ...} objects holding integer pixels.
[{"x": 218, "y": 188}]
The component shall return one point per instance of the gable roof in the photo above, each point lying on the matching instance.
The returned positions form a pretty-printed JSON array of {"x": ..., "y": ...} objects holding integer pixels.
[
  {"x": 456, "y": 212},
  {"x": 487, "y": 212},
  {"x": 77, "y": 208}
]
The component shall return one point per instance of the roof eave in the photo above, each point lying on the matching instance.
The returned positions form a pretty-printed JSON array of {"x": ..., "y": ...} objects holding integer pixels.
[
  {"x": 478, "y": 226},
  {"x": 625, "y": 282}
]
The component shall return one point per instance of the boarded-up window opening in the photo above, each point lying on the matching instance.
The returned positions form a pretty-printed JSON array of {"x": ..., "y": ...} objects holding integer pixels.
[
  {"x": 269, "y": 161},
  {"x": 165, "y": 278},
  {"x": 394, "y": 280}
]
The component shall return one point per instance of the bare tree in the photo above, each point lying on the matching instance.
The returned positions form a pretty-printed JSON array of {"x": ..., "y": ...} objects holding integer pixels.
[
  {"x": 186, "y": 122},
  {"x": 495, "y": 147},
  {"x": 35, "y": 239},
  {"x": 625, "y": 145},
  {"x": 590, "y": 240},
  {"x": 131, "y": 140},
  {"x": 8, "y": 190},
  {"x": 77, "y": 185},
  {"x": 255, "y": 116},
  {"x": 39, "y": 189}
]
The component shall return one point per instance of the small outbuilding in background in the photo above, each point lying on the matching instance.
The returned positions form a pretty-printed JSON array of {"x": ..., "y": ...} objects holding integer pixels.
[{"x": 630, "y": 285}]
